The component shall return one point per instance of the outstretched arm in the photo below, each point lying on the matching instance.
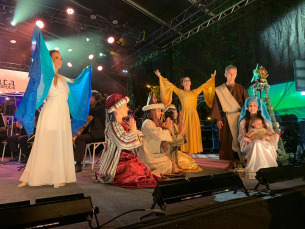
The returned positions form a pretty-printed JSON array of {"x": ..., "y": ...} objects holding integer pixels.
[
  {"x": 208, "y": 89},
  {"x": 166, "y": 89}
]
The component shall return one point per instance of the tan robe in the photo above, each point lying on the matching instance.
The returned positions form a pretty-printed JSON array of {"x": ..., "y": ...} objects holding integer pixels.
[
  {"x": 150, "y": 153},
  {"x": 183, "y": 160},
  {"x": 218, "y": 113}
]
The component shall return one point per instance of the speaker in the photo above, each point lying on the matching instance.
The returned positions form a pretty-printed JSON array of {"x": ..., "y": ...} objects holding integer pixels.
[
  {"x": 169, "y": 192},
  {"x": 299, "y": 74},
  {"x": 50, "y": 212},
  {"x": 277, "y": 174}
]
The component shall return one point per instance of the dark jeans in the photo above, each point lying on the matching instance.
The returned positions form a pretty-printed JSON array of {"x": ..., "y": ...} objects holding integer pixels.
[
  {"x": 80, "y": 145},
  {"x": 22, "y": 141}
]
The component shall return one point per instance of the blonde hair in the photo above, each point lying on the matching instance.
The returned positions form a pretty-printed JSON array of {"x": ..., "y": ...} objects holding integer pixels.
[{"x": 56, "y": 76}]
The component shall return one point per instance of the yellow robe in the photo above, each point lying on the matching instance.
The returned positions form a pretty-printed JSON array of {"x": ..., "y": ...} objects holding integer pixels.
[{"x": 189, "y": 109}]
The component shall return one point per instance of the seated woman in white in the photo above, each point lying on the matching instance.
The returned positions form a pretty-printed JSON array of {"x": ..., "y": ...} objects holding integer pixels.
[{"x": 260, "y": 153}]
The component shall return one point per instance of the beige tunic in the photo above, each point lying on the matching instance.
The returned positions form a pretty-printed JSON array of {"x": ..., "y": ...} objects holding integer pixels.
[{"x": 150, "y": 151}]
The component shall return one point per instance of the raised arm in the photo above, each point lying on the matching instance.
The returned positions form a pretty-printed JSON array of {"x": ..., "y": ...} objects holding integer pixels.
[
  {"x": 166, "y": 89},
  {"x": 208, "y": 89}
]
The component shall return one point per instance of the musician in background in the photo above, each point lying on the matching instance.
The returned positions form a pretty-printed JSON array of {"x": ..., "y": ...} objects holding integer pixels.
[
  {"x": 96, "y": 130},
  {"x": 20, "y": 138}
]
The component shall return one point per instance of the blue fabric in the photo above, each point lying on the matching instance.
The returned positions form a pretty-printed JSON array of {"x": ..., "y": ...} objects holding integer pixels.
[
  {"x": 79, "y": 100},
  {"x": 41, "y": 76},
  {"x": 261, "y": 107}
]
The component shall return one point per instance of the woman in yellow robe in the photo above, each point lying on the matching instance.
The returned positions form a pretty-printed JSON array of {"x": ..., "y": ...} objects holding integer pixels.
[{"x": 188, "y": 114}]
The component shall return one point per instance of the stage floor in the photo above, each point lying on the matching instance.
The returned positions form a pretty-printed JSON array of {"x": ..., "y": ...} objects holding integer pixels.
[{"x": 113, "y": 200}]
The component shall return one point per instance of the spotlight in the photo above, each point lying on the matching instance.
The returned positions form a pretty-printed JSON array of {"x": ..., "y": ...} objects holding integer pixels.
[
  {"x": 7, "y": 98},
  {"x": 93, "y": 16},
  {"x": 101, "y": 54},
  {"x": 91, "y": 56},
  {"x": 13, "y": 23},
  {"x": 209, "y": 118},
  {"x": 17, "y": 91},
  {"x": 148, "y": 86},
  {"x": 303, "y": 93},
  {"x": 69, "y": 50},
  {"x": 13, "y": 41},
  {"x": 110, "y": 40},
  {"x": 87, "y": 39},
  {"x": 56, "y": 48},
  {"x": 100, "y": 68},
  {"x": 40, "y": 24},
  {"x": 70, "y": 11},
  {"x": 124, "y": 71},
  {"x": 70, "y": 65}
]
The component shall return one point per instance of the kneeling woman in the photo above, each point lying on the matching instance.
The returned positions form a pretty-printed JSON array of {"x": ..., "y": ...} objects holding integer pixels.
[
  {"x": 119, "y": 163},
  {"x": 260, "y": 153},
  {"x": 183, "y": 160}
]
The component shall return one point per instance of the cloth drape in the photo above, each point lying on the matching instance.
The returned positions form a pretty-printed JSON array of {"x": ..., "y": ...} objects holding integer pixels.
[{"x": 41, "y": 77}]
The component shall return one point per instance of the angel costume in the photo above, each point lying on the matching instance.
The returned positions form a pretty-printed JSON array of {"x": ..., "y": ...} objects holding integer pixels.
[
  {"x": 51, "y": 160},
  {"x": 189, "y": 113},
  {"x": 259, "y": 153}
]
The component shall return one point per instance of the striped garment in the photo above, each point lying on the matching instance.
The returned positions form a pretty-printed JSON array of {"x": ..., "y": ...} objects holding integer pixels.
[{"x": 117, "y": 139}]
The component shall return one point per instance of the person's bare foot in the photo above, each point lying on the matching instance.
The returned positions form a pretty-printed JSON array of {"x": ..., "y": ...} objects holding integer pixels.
[{"x": 23, "y": 184}]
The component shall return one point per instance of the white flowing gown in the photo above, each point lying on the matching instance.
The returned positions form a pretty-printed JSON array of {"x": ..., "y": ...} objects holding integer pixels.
[
  {"x": 51, "y": 161},
  {"x": 259, "y": 154}
]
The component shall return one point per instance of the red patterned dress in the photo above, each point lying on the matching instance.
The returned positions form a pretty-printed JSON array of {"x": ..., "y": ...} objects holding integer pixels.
[{"x": 119, "y": 162}]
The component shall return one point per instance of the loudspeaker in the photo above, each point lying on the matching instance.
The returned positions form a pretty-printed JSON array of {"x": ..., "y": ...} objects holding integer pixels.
[
  {"x": 277, "y": 174},
  {"x": 299, "y": 74},
  {"x": 55, "y": 211},
  {"x": 184, "y": 189}
]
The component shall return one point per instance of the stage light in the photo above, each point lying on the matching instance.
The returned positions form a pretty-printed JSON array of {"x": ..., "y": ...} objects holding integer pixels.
[
  {"x": 303, "y": 93},
  {"x": 40, "y": 24},
  {"x": 124, "y": 71},
  {"x": 69, "y": 50},
  {"x": 87, "y": 39},
  {"x": 70, "y": 65},
  {"x": 56, "y": 48},
  {"x": 101, "y": 54},
  {"x": 13, "y": 41},
  {"x": 7, "y": 98},
  {"x": 148, "y": 86},
  {"x": 100, "y": 68},
  {"x": 70, "y": 11},
  {"x": 13, "y": 23},
  {"x": 91, "y": 56},
  {"x": 209, "y": 118},
  {"x": 17, "y": 91},
  {"x": 110, "y": 40}
]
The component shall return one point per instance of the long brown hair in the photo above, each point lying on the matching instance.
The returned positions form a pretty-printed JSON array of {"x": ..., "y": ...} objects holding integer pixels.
[
  {"x": 56, "y": 76},
  {"x": 248, "y": 119}
]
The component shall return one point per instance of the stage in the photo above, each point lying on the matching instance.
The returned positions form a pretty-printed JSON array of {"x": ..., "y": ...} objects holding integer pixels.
[{"x": 113, "y": 200}]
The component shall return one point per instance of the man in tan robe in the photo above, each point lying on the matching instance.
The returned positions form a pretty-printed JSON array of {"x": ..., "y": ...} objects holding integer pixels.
[{"x": 228, "y": 101}]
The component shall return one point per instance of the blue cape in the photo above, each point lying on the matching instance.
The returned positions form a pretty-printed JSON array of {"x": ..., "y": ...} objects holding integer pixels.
[
  {"x": 261, "y": 107},
  {"x": 41, "y": 76}
]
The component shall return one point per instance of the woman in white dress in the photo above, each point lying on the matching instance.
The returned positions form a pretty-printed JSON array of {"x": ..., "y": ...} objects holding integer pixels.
[
  {"x": 51, "y": 160},
  {"x": 259, "y": 153}
]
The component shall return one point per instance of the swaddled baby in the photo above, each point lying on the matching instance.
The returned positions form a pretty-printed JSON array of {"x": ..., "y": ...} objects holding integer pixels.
[{"x": 260, "y": 132}]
